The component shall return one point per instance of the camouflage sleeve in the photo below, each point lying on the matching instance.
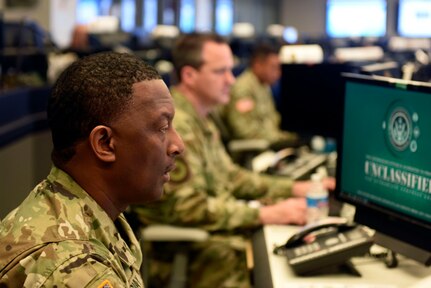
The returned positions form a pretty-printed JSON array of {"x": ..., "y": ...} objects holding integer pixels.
[
  {"x": 76, "y": 264},
  {"x": 188, "y": 201},
  {"x": 195, "y": 208},
  {"x": 243, "y": 183},
  {"x": 250, "y": 185},
  {"x": 207, "y": 190},
  {"x": 89, "y": 273},
  {"x": 240, "y": 114},
  {"x": 244, "y": 120}
]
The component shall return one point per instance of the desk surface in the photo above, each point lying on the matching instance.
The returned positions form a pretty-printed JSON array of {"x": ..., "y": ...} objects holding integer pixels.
[{"x": 271, "y": 270}]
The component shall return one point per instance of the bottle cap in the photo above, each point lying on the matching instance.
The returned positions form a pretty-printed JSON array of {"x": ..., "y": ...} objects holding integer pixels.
[
  {"x": 318, "y": 143},
  {"x": 316, "y": 177}
]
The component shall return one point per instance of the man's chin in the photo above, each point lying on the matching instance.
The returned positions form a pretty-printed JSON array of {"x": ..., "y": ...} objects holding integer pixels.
[{"x": 156, "y": 195}]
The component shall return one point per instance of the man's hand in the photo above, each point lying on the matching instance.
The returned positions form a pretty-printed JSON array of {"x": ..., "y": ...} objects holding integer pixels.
[
  {"x": 290, "y": 211},
  {"x": 300, "y": 188}
]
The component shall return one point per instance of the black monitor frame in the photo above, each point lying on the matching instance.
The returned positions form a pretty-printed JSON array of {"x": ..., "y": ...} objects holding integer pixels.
[
  {"x": 394, "y": 230},
  {"x": 311, "y": 98}
]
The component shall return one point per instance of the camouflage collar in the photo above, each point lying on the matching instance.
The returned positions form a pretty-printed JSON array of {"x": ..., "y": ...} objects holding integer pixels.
[{"x": 95, "y": 222}]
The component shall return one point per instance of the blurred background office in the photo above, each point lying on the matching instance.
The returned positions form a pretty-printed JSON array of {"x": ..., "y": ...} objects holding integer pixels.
[{"x": 39, "y": 38}]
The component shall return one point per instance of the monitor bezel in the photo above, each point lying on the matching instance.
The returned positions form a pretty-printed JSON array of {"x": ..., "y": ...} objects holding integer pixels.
[
  {"x": 402, "y": 227},
  {"x": 297, "y": 98}
]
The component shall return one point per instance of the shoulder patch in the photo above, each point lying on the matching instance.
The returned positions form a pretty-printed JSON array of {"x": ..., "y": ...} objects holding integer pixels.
[
  {"x": 105, "y": 284},
  {"x": 244, "y": 105},
  {"x": 181, "y": 173}
]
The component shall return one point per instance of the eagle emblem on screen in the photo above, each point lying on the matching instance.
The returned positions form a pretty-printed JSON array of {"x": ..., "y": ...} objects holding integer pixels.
[{"x": 402, "y": 128}]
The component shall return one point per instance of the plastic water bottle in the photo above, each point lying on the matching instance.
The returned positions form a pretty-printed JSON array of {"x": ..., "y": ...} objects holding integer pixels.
[
  {"x": 317, "y": 199},
  {"x": 319, "y": 144}
]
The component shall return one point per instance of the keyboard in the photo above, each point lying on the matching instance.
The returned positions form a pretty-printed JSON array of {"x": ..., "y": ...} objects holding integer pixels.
[{"x": 303, "y": 166}]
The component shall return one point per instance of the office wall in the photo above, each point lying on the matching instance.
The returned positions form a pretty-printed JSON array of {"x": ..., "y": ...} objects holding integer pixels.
[
  {"x": 55, "y": 16},
  {"x": 39, "y": 13},
  {"x": 23, "y": 164},
  {"x": 62, "y": 21},
  {"x": 308, "y": 16},
  {"x": 392, "y": 17},
  {"x": 258, "y": 12}
]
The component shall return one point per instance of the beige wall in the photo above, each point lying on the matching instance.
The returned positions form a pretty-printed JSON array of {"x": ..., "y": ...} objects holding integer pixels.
[
  {"x": 55, "y": 16},
  {"x": 308, "y": 16},
  {"x": 39, "y": 13}
]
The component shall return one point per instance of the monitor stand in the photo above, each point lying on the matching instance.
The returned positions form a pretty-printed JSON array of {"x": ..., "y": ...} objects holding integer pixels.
[
  {"x": 403, "y": 248},
  {"x": 348, "y": 268},
  {"x": 343, "y": 268}
]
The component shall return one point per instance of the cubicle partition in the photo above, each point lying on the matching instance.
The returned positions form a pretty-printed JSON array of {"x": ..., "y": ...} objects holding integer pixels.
[{"x": 25, "y": 144}]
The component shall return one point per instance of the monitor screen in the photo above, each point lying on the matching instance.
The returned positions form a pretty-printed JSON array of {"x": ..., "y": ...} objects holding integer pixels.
[
  {"x": 414, "y": 18},
  {"x": 384, "y": 165},
  {"x": 356, "y": 18},
  {"x": 311, "y": 98}
]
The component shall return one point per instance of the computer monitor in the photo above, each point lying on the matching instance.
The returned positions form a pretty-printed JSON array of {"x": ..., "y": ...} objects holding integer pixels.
[
  {"x": 356, "y": 18},
  {"x": 311, "y": 98},
  {"x": 384, "y": 161},
  {"x": 414, "y": 18}
]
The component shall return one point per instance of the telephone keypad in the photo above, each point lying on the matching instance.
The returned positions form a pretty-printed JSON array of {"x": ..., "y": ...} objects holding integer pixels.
[{"x": 307, "y": 249}]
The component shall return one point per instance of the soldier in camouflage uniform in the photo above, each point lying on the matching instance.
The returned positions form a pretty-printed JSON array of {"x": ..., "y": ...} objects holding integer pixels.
[
  {"x": 206, "y": 189},
  {"x": 251, "y": 114},
  {"x": 110, "y": 116}
]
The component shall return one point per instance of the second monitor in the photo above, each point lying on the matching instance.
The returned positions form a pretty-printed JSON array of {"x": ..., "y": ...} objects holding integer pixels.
[{"x": 312, "y": 98}]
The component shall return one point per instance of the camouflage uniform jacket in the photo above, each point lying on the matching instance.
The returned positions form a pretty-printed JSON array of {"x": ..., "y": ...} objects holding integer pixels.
[
  {"x": 251, "y": 113},
  {"x": 60, "y": 237},
  {"x": 207, "y": 189}
]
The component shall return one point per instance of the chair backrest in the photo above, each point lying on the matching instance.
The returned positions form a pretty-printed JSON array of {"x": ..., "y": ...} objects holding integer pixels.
[{"x": 170, "y": 234}]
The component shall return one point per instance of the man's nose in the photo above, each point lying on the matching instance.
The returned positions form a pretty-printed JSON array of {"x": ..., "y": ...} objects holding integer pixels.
[{"x": 177, "y": 147}]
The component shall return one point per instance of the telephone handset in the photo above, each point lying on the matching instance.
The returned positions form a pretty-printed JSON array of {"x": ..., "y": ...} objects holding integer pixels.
[
  {"x": 299, "y": 238},
  {"x": 333, "y": 244},
  {"x": 268, "y": 160}
]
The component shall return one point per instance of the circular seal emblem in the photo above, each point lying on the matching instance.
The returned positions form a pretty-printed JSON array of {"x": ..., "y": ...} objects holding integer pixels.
[
  {"x": 400, "y": 129},
  {"x": 401, "y": 126}
]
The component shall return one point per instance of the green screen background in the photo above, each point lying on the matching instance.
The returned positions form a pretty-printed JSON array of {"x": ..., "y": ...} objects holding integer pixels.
[{"x": 366, "y": 108}]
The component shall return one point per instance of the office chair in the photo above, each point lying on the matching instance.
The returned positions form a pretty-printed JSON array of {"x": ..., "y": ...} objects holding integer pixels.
[{"x": 170, "y": 234}]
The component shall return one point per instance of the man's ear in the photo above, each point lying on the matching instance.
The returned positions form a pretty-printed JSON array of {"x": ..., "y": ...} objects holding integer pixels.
[
  {"x": 188, "y": 74},
  {"x": 102, "y": 143}
]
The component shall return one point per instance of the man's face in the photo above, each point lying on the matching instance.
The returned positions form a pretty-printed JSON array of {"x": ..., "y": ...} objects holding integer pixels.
[
  {"x": 269, "y": 69},
  {"x": 214, "y": 78},
  {"x": 146, "y": 143}
]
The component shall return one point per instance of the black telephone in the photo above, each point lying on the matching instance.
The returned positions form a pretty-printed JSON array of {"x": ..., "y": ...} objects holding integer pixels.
[{"x": 333, "y": 244}]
